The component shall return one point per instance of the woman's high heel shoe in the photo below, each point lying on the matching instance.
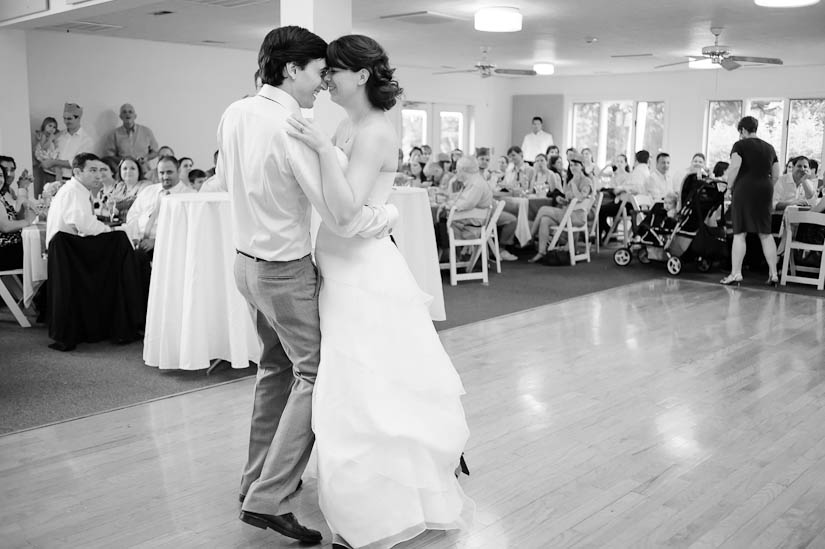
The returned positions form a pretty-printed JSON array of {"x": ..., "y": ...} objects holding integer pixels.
[
  {"x": 731, "y": 280},
  {"x": 772, "y": 281}
]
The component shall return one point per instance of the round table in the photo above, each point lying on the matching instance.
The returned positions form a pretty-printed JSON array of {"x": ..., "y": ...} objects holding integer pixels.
[{"x": 195, "y": 313}]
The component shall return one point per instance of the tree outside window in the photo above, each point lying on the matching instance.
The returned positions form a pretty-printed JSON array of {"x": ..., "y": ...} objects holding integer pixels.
[
  {"x": 806, "y": 128},
  {"x": 723, "y": 117},
  {"x": 770, "y": 114}
]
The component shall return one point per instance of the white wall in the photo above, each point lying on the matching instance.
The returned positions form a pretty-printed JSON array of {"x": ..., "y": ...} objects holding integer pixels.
[
  {"x": 179, "y": 91},
  {"x": 685, "y": 93},
  {"x": 15, "y": 133}
]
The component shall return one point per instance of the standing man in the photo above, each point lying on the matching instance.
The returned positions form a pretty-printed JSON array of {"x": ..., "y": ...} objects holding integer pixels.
[
  {"x": 537, "y": 141},
  {"x": 131, "y": 139},
  {"x": 273, "y": 180},
  {"x": 70, "y": 143}
]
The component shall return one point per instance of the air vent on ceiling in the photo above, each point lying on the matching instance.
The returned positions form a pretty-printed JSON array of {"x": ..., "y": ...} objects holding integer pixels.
[
  {"x": 162, "y": 12},
  {"x": 624, "y": 55},
  {"x": 422, "y": 17},
  {"x": 82, "y": 26},
  {"x": 228, "y": 3}
]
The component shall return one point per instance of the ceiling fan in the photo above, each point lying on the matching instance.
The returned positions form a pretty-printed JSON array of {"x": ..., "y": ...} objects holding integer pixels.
[
  {"x": 486, "y": 69},
  {"x": 721, "y": 55}
]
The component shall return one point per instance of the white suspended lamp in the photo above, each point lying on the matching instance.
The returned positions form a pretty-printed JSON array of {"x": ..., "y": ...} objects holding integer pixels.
[
  {"x": 498, "y": 19},
  {"x": 703, "y": 63},
  {"x": 785, "y": 3},
  {"x": 544, "y": 68}
]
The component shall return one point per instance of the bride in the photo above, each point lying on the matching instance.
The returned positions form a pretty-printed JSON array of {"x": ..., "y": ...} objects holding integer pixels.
[{"x": 386, "y": 412}]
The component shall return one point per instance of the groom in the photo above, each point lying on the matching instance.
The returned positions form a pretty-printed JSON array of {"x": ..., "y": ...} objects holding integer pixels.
[{"x": 273, "y": 180}]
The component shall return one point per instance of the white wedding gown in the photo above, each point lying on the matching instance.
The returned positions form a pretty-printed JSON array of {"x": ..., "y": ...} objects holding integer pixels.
[{"x": 386, "y": 409}]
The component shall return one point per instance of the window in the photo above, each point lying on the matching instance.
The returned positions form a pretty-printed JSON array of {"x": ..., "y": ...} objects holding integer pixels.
[
  {"x": 611, "y": 128},
  {"x": 619, "y": 128},
  {"x": 723, "y": 117},
  {"x": 650, "y": 126},
  {"x": 413, "y": 128},
  {"x": 806, "y": 128},
  {"x": 451, "y": 131},
  {"x": 586, "y": 122},
  {"x": 770, "y": 114}
]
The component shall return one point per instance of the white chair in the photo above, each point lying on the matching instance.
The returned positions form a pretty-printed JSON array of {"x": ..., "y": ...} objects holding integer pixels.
[
  {"x": 12, "y": 302},
  {"x": 594, "y": 229},
  {"x": 793, "y": 218},
  {"x": 620, "y": 220},
  {"x": 567, "y": 226},
  {"x": 487, "y": 238}
]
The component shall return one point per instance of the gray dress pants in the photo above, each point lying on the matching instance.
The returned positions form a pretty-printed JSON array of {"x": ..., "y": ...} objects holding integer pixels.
[{"x": 284, "y": 296}]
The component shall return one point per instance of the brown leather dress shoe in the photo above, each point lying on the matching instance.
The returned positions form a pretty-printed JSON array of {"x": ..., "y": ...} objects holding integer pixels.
[{"x": 286, "y": 525}]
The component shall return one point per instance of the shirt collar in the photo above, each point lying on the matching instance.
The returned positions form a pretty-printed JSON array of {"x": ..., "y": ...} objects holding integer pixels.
[
  {"x": 80, "y": 186},
  {"x": 281, "y": 97}
]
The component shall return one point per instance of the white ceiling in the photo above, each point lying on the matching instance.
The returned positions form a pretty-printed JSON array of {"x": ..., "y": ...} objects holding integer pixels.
[{"x": 554, "y": 31}]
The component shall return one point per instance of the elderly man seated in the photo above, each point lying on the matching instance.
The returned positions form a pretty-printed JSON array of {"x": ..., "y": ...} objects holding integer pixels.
[{"x": 475, "y": 194}]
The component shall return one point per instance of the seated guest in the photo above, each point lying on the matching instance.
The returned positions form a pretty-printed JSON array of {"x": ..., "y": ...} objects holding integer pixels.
[
  {"x": 71, "y": 209},
  {"x": 12, "y": 223},
  {"x": 814, "y": 176},
  {"x": 719, "y": 169},
  {"x": 104, "y": 204},
  {"x": 794, "y": 188},
  {"x": 618, "y": 173},
  {"x": 196, "y": 179},
  {"x": 426, "y": 152},
  {"x": 519, "y": 173},
  {"x": 545, "y": 180},
  {"x": 151, "y": 168},
  {"x": 552, "y": 150},
  {"x": 579, "y": 187},
  {"x": 435, "y": 174},
  {"x": 697, "y": 166},
  {"x": 475, "y": 194},
  {"x": 130, "y": 182},
  {"x": 660, "y": 182},
  {"x": 483, "y": 159},
  {"x": 591, "y": 169},
  {"x": 415, "y": 155},
  {"x": 186, "y": 165},
  {"x": 142, "y": 220},
  {"x": 17, "y": 192},
  {"x": 633, "y": 186},
  {"x": 455, "y": 155},
  {"x": 212, "y": 183},
  {"x": 497, "y": 173}
]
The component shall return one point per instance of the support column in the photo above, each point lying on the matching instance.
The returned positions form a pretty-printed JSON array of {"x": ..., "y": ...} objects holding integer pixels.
[{"x": 329, "y": 19}]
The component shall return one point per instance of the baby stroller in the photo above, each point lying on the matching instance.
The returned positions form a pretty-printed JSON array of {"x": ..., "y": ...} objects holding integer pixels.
[{"x": 694, "y": 234}]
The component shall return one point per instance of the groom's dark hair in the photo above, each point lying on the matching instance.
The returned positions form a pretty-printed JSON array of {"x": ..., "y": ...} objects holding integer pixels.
[{"x": 288, "y": 45}]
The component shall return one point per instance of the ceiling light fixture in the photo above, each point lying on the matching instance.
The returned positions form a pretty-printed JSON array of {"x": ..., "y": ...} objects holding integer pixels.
[
  {"x": 544, "y": 68},
  {"x": 498, "y": 19},
  {"x": 785, "y": 3},
  {"x": 703, "y": 63}
]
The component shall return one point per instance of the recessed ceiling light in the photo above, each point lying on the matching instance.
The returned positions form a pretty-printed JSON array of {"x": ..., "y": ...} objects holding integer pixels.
[
  {"x": 544, "y": 68},
  {"x": 785, "y": 3},
  {"x": 703, "y": 63},
  {"x": 498, "y": 19}
]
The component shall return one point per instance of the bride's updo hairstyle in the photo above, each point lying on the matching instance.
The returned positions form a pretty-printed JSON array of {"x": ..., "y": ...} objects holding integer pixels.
[{"x": 354, "y": 52}]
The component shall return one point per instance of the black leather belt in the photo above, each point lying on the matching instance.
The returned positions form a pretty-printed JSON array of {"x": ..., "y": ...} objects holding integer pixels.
[{"x": 250, "y": 256}]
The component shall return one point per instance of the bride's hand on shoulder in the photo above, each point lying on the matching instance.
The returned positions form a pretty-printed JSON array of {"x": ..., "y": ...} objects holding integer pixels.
[{"x": 307, "y": 132}]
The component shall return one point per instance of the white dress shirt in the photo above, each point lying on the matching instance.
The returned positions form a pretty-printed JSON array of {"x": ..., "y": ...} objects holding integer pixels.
[
  {"x": 141, "y": 219},
  {"x": 638, "y": 179},
  {"x": 71, "y": 212},
  {"x": 786, "y": 190},
  {"x": 69, "y": 146},
  {"x": 534, "y": 144},
  {"x": 213, "y": 185},
  {"x": 273, "y": 178},
  {"x": 658, "y": 184}
]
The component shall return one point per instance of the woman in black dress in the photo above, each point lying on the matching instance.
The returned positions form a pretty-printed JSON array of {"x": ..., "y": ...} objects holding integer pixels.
[
  {"x": 754, "y": 169},
  {"x": 11, "y": 225}
]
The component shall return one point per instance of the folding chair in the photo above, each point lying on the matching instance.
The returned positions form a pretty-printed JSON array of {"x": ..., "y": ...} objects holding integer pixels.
[
  {"x": 594, "y": 230},
  {"x": 566, "y": 226},
  {"x": 620, "y": 220},
  {"x": 12, "y": 302},
  {"x": 789, "y": 268},
  {"x": 487, "y": 232}
]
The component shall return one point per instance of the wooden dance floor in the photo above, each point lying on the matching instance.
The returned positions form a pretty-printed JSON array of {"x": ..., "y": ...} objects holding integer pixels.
[{"x": 665, "y": 413}]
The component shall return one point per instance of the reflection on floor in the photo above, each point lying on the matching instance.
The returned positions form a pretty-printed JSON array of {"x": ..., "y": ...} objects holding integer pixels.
[{"x": 662, "y": 413}]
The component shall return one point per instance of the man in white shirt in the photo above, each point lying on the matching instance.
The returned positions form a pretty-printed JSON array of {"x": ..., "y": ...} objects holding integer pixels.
[
  {"x": 273, "y": 180},
  {"x": 640, "y": 174},
  {"x": 71, "y": 208},
  {"x": 537, "y": 141},
  {"x": 660, "y": 181},
  {"x": 70, "y": 143},
  {"x": 141, "y": 219},
  {"x": 794, "y": 188}
]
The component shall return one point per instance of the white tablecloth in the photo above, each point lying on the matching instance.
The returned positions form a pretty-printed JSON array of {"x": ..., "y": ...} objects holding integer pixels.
[
  {"x": 195, "y": 312},
  {"x": 415, "y": 238},
  {"x": 35, "y": 266},
  {"x": 522, "y": 205}
]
